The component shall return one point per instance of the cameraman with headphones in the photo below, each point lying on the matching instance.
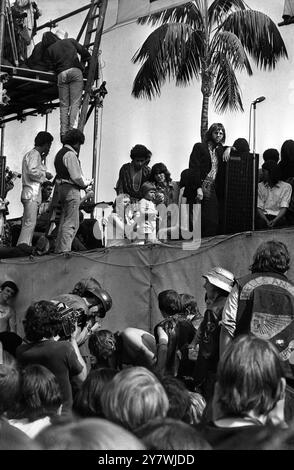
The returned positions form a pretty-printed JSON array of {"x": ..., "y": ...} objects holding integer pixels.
[{"x": 90, "y": 298}]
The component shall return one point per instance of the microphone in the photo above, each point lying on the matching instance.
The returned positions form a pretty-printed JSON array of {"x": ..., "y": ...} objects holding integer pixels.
[{"x": 258, "y": 100}]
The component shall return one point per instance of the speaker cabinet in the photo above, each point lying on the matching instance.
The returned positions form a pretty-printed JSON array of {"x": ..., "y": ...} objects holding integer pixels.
[{"x": 238, "y": 213}]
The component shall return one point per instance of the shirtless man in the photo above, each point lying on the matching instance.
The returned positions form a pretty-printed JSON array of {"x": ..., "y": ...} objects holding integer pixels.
[{"x": 8, "y": 290}]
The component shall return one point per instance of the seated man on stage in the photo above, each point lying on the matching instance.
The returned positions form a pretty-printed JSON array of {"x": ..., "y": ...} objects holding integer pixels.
[{"x": 274, "y": 198}]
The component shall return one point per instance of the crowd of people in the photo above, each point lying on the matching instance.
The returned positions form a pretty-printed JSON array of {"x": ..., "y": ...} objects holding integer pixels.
[{"x": 223, "y": 379}]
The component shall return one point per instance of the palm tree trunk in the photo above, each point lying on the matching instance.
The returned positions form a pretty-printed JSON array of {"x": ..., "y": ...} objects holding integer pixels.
[{"x": 204, "y": 116}]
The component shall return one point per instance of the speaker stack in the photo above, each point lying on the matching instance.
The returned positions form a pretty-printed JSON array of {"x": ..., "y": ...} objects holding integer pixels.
[{"x": 238, "y": 213}]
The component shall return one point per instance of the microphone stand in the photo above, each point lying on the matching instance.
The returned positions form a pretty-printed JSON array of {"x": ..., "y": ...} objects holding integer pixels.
[{"x": 254, "y": 168}]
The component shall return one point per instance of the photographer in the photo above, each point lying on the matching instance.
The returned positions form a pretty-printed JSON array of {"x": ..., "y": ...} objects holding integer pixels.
[
  {"x": 43, "y": 326},
  {"x": 89, "y": 298}
]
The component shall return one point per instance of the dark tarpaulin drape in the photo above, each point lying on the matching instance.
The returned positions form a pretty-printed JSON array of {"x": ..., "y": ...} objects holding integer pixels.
[{"x": 135, "y": 275}]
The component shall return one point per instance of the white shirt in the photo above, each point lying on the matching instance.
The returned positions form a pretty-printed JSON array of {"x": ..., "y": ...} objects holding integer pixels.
[
  {"x": 271, "y": 200},
  {"x": 33, "y": 174}
]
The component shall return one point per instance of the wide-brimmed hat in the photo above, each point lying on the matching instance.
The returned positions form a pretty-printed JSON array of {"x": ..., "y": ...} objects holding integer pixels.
[{"x": 221, "y": 278}]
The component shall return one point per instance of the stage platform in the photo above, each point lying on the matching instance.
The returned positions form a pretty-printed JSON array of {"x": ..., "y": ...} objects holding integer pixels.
[{"x": 134, "y": 275}]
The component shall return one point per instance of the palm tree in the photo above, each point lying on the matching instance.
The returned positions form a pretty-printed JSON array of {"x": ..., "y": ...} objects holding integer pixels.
[{"x": 209, "y": 43}]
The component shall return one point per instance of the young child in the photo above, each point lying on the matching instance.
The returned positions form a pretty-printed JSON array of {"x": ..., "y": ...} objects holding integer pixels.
[{"x": 146, "y": 215}]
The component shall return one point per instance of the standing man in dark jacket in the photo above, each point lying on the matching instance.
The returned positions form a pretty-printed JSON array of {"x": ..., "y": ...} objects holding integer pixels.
[
  {"x": 63, "y": 54},
  {"x": 204, "y": 181}
]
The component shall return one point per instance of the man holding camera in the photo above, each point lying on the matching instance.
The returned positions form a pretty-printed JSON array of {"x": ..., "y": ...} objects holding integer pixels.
[
  {"x": 43, "y": 327},
  {"x": 90, "y": 298}
]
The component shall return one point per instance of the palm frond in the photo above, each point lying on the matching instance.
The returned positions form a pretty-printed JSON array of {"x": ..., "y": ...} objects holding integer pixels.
[
  {"x": 219, "y": 9},
  {"x": 189, "y": 13},
  {"x": 226, "y": 93},
  {"x": 169, "y": 51},
  {"x": 227, "y": 44},
  {"x": 259, "y": 35}
]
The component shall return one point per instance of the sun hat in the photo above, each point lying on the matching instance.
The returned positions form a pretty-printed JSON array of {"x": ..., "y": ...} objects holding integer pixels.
[{"x": 221, "y": 278}]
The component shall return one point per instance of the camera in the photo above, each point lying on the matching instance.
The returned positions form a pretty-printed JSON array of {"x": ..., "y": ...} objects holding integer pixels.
[{"x": 69, "y": 318}]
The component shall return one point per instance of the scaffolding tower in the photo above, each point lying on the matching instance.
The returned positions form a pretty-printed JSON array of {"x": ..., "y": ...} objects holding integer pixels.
[{"x": 25, "y": 92}]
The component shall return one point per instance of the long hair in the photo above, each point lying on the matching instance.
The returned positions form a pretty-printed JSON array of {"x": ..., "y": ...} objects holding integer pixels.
[
  {"x": 287, "y": 151},
  {"x": 40, "y": 393},
  {"x": 271, "y": 256},
  {"x": 159, "y": 168},
  {"x": 249, "y": 377},
  {"x": 215, "y": 127},
  {"x": 87, "y": 402}
]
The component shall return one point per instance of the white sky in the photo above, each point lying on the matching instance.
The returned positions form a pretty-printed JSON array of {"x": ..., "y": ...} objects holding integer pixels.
[{"x": 168, "y": 125}]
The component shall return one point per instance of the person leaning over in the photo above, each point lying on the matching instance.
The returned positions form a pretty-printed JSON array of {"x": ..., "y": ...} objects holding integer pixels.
[
  {"x": 34, "y": 173},
  {"x": 69, "y": 182}
]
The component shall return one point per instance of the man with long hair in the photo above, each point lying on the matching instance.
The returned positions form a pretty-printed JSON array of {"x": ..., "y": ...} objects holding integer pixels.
[{"x": 262, "y": 304}]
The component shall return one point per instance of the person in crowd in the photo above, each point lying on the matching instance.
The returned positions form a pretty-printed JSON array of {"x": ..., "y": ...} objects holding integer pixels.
[
  {"x": 8, "y": 292},
  {"x": 122, "y": 406},
  {"x": 94, "y": 302},
  {"x": 69, "y": 182},
  {"x": 87, "y": 402},
  {"x": 172, "y": 334},
  {"x": 274, "y": 196},
  {"x": 89, "y": 434},
  {"x": 10, "y": 341},
  {"x": 120, "y": 223},
  {"x": 42, "y": 326},
  {"x": 171, "y": 434},
  {"x": 63, "y": 54},
  {"x": 218, "y": 284},
  {"x": 9, "y": 384},
  {"x": 190, "y": 309},
  {"x": 40, "y": 400},
  {"x": 205, "y": 179},
  {"x": 146, "y": 215},
  {"x": 286, "y": 165},
  {"x": 159, "y": 352},
  {"x": 133, "y": 175},
  {"x": 166, "y": 198},
  {"x": 34, "y": 173},
  {"x": 197, "y": 407},
  {"x": 178, "y": 398},
  {"x": 105, "y": 350},
  {"x": 190, "y": 352},
  {"x": 249, "y": 391},
  {"x": 262, "y": 303}
]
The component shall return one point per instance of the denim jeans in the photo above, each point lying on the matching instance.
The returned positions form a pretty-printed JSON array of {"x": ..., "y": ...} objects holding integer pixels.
[
  {"x": 70, "y": 89},
  {"x": 69, "y": 198},
  {"x": 30, "y": 211}
]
